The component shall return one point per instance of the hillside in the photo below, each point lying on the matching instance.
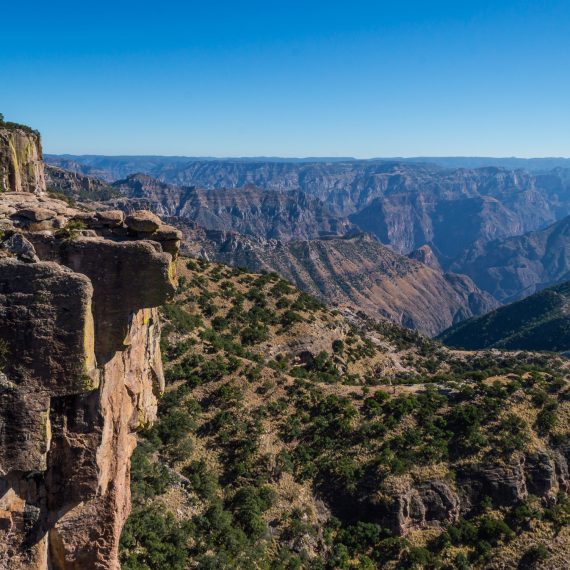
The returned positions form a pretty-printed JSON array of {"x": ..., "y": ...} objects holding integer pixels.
[
  {"x": 292, "y": 436},
  {"x": 356, "y": 271},
  {"x": 539, "y": 322},
  {"x": 513, "y": 268}
]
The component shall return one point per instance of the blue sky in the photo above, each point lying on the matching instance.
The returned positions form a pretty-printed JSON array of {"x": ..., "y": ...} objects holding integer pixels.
[{"x": 290, "y": 78}]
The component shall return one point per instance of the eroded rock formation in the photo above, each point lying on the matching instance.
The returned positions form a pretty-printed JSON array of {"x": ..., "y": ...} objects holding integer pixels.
[
  {"x": 21, "y": 164},
  {"x": 436, "y": 502},
  {"x": 81, "y": 369}
]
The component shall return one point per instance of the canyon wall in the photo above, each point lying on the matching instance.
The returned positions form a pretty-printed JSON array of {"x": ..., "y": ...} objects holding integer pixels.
[
  {"x": 21, "y": 164},
  {"x": 80, "y": 372}
]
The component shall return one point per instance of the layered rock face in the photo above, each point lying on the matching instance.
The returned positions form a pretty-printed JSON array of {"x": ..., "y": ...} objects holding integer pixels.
[
  {"x": 21, "y": 164},
  {"x": 77, "y": 185},
  {"x": 356, "y": 271},
  {"x": 248, "y": 210},
  {"x": 81, "y": 369}
]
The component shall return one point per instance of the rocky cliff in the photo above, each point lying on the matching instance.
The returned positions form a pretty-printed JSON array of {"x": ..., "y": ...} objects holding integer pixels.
[
  {"x": 248, "y": 210},
  {"x": 80, "y": 373},
  {"x": 21, "y": 164}
]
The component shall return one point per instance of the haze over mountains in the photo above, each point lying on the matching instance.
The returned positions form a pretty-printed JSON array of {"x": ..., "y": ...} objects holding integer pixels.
[
  {"x": 512, "y": 268},
  {"x": 90, "y": 163}
]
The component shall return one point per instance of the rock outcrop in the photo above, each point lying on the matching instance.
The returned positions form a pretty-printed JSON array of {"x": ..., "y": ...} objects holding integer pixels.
[
  {"x": 425, "y": 255},
  {"x": 411, "y": 506},
  {"x": 21, "y": 164},
  {"x": 80, "y": 372},
  {"x": 250, "y": 210}
]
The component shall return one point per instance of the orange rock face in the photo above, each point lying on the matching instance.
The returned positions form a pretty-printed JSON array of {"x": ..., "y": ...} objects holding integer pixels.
[{"x": 81, "y": 369}]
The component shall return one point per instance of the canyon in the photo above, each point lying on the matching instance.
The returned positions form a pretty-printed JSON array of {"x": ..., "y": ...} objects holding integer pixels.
[
  {"x": 263, "y": 427},
  {"x": 356, "y": 271},
  {"x": 405, "y": 205}
]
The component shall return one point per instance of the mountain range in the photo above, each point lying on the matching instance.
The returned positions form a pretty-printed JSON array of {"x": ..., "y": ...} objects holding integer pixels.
[
  {"x": 488, "y": 234},
  {"x": 405, "y": 205},
  {"x": 88, "y": 164}
]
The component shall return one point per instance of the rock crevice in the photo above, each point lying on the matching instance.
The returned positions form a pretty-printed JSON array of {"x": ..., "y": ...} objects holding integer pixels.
[{"x": 80, "y": 368}]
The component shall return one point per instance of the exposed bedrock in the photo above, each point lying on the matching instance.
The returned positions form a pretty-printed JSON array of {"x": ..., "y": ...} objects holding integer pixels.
[
  {"x": 21, "y": 164},
  {"x": 414, "y": 505},
  {"x": 81, "y": 369}
]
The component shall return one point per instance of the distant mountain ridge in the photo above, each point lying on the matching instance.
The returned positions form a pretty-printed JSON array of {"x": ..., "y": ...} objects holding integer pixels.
[
  {"x": 515, "y": 267},
  {"x": 248, "y": 210},
  {"x": 531, "y": 164}
]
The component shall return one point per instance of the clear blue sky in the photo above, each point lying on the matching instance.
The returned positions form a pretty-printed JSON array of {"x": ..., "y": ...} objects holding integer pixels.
[{"x": 327, "y": 78}]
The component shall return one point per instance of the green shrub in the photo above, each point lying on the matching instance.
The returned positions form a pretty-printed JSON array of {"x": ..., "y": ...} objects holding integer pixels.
[
  {"x": 534, "y": 556},
  {"x": 152, "y": 539}
]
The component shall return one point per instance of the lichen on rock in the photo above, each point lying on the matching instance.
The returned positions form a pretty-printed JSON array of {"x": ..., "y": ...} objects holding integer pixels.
[
  {"x": 78, "y": 315},
  {"x": 21, "y": 164}
]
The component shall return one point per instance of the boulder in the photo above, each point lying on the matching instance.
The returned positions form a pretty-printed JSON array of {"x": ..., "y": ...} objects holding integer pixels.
[
  {"x": 19, "y": 246},
  {"x": 143, "y": 221},
  {"x": 111, "y": 218},
  {"x": 165, "y": 232},
  {"x": 36, "y": 214}
]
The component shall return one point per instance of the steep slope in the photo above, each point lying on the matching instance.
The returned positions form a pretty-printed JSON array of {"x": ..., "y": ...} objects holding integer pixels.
[
  {"x": 247, "y": 210},
  {"x": 513, "y": 268},
  {"x": 356, "y": 271},
  {"x": 292, "y": 436},
  {"x": 404, "y": 205},
  {"x": 21, "y": 165},
  {"x": 80, "y": 369},
  {"x": 539, "y": 322},
  {"x": 77, "y": 186}
]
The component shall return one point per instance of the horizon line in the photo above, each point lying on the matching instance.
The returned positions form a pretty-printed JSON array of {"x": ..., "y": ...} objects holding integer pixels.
[{"x": 308, "y": 158}]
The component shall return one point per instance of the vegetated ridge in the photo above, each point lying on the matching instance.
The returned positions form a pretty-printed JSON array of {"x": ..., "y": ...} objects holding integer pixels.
[
  {"x": 353, "y": 270},
  {"x": 293, "y": 436},
  {"x": 538, "y": 322}
]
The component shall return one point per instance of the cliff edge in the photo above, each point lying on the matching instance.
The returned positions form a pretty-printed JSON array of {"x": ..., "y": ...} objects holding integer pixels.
[
  {"x": 80, "y": 371},
  {"x": 21, "y": 163}
]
